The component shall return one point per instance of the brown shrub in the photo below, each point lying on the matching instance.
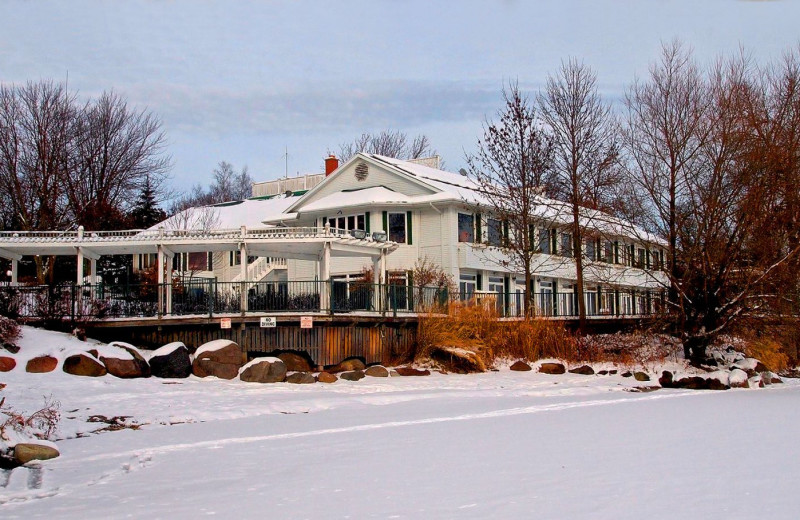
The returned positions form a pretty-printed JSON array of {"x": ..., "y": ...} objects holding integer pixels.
[
  {"x": 769, "y": 351},
  {"x": 42, "y": 423},
  {"x": 9, "y": 330}
]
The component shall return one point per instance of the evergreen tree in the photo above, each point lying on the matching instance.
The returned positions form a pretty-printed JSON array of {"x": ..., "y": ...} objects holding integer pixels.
[{"x": 146, "y": 212}]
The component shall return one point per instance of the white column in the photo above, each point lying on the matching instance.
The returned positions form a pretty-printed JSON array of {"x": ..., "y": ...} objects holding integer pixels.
[
  {"x": 325, "y": 276},
  {"x": 80, "y": 267},
  {"x": 377, "y": 296},
  {"x": 160, "y": 271},
  {"x": 168, "y": 279},
  {"x": 243, "y": 271},
  {"x": 14, "y": 271}
]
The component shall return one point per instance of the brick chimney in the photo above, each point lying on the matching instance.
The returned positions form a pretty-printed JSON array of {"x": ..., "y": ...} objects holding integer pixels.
[{"x": 331, "y": 163}]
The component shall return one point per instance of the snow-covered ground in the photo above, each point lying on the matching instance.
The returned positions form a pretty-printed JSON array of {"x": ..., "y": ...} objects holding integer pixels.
[{"x": 495, "y": 445}]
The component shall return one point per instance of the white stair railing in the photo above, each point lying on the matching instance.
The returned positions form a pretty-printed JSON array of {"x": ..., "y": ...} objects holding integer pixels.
[{"x": 260, "y": 268}]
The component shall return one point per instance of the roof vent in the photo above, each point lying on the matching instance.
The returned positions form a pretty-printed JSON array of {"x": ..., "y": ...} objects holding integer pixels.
[
  {"x": 289, "y": 193},
  {"x": 362, "y": 171}
]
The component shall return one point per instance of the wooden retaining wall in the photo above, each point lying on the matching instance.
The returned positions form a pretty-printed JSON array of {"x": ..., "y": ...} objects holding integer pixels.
[{"x": 328, "y": 342}]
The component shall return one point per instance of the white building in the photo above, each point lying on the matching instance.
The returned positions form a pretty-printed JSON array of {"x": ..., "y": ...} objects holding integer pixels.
[{"x": 436, "y": 215}]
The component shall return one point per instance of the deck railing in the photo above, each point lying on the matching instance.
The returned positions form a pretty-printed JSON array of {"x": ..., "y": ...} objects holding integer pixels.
[
  {"x": 132, "y": 235},
  {"x": 210, "y": 298}
]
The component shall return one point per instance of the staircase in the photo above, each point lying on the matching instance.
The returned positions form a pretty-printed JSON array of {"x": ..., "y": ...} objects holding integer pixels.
[{"x": 260, "y": 269}]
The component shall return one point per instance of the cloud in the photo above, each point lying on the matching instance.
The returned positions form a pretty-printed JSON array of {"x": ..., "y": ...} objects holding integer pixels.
[{"x": 321, "y": 107}]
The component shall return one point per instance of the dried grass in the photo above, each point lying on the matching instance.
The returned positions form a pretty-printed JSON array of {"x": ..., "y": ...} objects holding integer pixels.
[{"x": 477, "y": 328}]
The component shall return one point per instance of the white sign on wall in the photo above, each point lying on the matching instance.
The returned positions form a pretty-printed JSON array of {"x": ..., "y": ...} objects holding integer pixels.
[
  {"x": 306, "y": 322},
  {"x": 269, "y": 322},
  {"x": 225, "y": 323}
]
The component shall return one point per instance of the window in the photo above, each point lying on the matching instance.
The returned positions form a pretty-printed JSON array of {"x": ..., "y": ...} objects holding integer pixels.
[
  {"x": 198, "y": 261},
  {"x": 349, "y": 222},
  {"x": 566, "y": 244},
  {"x": 466, "y": 227},
  {"x": 467, "y": 283},
  {"x": 235, "y": 258},
  {"x": 589, "y": 250},
  {"x": 544, "y": 241},
  {"x": 397, "y": 227},
  {"x": 495, "y": 232},
  {"x": 608, "y": 252}
]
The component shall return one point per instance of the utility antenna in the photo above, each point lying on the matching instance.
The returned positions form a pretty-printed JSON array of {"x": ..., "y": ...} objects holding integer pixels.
[{"x": 286, "y": 165}]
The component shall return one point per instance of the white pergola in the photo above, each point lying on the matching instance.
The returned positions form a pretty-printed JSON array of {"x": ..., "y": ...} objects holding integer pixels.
[{"x": 304, "y": 243}]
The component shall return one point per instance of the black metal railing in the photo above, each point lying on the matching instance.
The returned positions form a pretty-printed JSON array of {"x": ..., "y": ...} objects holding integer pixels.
[{"x": 210, "y": 297}]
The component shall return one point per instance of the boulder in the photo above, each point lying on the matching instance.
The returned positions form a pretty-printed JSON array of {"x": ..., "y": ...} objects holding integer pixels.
[
  {"x": 755, "y": 382},
  {"x": 171, "y": 361},
  {"x": 409, "y": 371},
  {"x": 263, "y": 370},
  {"x": 123, "y": 366},
  {"x": 738, "y": 378},
  {"x": 11, "y": 347},
  {"x": 627, "y": 373},
  {"x": 220, "y": 358},
  {"x": 712, "y": 383},
  {"x": 458, "y": 360},
  {"x": 699, "y": 383},
  {"x": 295, "y": 362},
  {"x": 25, "y": 452},
  {"x": 301, "y": 378},
  {"x": 326, "y": 377},
  {"x": 347, "y": 365},
  {"x": 641, "y": 376},
  {"x": 353, "y": 375},
  {"x": 377, "y": 371},
  {"x": 7, "y": 363},
  {"x": 584, "y": 370},
  {"x": 41, "y": 364},
  {"x": 666, "y": 379},
  {"x": 770, "y": 378},
  {"x": 552, "y": 368},
  {"x": 520, "y": 366},
  {"x": 603, "y": 373},
  {"x": 83, "y": 364},
  {"x": 612, "y": 372}
]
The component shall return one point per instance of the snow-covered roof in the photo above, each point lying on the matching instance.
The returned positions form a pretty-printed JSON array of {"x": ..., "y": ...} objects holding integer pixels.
[{"x": 229, "y": 215}]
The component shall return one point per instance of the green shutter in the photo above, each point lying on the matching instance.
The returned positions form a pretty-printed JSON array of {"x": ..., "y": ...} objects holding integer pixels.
[
  {"x": 505, "y": 235},
  {"x": 479, "y": 280},
  {"x": 408, "y": 227},
  {"x": 616, "y": 252},
  {"x": 553, "y": 241},
  {"x": 386, "y": 223},
  {"x": 366, "y": 222},
  {"x": 478, "y": 229},
  {"x": 533, "y": 240},
  {"x": 324, "y": 221}
]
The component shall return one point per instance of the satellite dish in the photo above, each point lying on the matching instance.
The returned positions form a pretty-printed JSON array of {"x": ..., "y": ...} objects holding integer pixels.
[{"x": 462, "y": 171}]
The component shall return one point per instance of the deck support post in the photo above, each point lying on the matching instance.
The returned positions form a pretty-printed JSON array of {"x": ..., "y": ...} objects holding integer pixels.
[
  {"x": 79, "y": 278},
  {"x": 378, "y": 279},
  {"x": 160, "y": 271},
  {"x": 243, "y": 274},
  {"x": 14, "y": 271},
  {"x": 325, "y": 297}
]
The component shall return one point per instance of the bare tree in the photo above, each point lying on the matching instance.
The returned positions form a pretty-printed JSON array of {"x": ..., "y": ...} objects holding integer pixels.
[
  {"x": 118, "y": 150},
  {"x": 585, "y": 153},
  {"x": 513, "y": 162},
  {"x": 390, "y": 143},
  {"x": 228, "y": 185},
  {"x": 663, "y": 135},
  {"x": 36, "y": 141}
]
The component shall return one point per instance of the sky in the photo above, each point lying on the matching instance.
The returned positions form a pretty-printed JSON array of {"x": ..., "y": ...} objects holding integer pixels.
[{"x": 245, "y": 82}]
